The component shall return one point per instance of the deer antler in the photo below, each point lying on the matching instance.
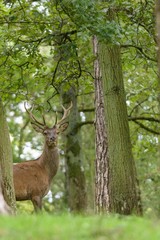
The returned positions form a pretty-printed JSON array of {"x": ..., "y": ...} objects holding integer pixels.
[
  {"x": 65, "y": 114},
  {"x": 33, "y": 119}
]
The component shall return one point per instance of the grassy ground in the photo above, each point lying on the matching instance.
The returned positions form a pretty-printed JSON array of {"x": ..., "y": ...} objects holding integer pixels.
[{"x": 68, "y": 227}]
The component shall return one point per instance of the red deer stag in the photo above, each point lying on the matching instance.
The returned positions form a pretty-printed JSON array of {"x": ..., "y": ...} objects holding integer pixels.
[{"x": 32, "y": 178}]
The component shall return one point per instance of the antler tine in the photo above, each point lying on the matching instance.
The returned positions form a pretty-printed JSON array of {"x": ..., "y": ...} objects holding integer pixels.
[
  {"x": 65, "y": 114},
  {"x": 32, "y": 117}
]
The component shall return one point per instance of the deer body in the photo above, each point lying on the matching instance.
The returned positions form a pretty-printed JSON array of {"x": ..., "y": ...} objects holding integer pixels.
[{"x": 32, "y": 178}]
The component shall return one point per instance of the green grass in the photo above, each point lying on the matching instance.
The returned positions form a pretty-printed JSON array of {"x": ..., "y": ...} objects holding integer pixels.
[{"x": 68, "y": 227}]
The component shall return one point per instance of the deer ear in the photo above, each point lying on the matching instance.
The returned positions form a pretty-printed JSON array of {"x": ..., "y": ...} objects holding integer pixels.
[
  {"x": 62, "y": 127},
  {"x": 36, "y": 128}
]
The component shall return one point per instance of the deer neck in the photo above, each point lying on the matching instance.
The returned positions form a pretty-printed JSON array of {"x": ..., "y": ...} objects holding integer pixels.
[{"x": 50, "y": 160}]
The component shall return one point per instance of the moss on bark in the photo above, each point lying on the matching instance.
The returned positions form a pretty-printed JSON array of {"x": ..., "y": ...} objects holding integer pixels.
[{"x": 6, "y": 161}]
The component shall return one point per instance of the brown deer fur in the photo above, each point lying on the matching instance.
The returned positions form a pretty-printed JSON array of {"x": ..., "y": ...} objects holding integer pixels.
[{"x": 32, "y": 178}]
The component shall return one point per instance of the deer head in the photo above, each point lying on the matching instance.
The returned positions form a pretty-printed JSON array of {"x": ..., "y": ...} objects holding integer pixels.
[{"x": 50, "y": 134}]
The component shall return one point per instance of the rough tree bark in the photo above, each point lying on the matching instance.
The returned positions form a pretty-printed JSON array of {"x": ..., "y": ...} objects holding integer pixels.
[
  {"x": 4, "y": 208},
  {"x": 101, "y": 164},
  {"x": 157, "y": 14},
  {"x": 6, "y": 162},
  {"x": 75, "y": 177},
  {"x": 117, "y": 188}
]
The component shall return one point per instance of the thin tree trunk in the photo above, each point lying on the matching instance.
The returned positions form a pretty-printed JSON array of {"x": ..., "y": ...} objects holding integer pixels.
[
  {"x": 75, "y": 177},
  {"x": 6, "y": 161},
  {"x": 101, "y": 164}
]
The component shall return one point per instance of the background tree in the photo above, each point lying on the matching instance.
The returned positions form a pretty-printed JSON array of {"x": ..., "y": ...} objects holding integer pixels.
[{"x": 75, "y": 177}]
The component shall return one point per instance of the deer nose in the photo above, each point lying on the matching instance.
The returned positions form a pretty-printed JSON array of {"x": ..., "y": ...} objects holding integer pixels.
[{"x": 52, "y": 138}]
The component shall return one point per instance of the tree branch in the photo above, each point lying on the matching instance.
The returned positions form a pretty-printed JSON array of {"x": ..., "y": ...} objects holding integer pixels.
[
  {"x": 81, "y": 124},
  {"x": 140, "y": 49},
  {"x": 146, "y": 128},
  {"x": 86, "y": 109},
  {"x": 150, "y": 119},
  {"x": 62, "y": 34}
]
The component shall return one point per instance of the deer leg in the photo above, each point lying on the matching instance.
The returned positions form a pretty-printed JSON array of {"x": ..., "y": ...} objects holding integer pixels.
[{"x": 37, "y": 203}]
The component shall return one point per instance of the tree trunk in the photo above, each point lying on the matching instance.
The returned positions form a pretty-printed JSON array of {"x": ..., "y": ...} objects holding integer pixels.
[
  {"x": 116, "y": 183},
  {"x": 75, "y": 177},
  {"x": 6, "y": 161},
  {"x": 157, "y": 13}
]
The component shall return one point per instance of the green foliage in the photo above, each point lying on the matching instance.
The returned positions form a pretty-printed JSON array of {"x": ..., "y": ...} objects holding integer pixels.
[
  {"x": 40, "y": 59},
  {"x": 90, "y": 16}
]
